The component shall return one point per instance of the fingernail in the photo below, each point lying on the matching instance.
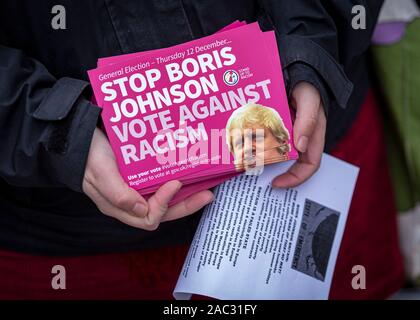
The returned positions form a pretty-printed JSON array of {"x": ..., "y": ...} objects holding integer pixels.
[
  {"x": 139, "y": 209},
  {"x": 276, "y": 184},
  {"x": 178, "y": 185},
  {"x": 302, "y": 144},
  {"x": 211, "y": 199}
]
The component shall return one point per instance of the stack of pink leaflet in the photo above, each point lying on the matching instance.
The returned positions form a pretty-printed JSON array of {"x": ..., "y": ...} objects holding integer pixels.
[{"x": 199, "y": 112}]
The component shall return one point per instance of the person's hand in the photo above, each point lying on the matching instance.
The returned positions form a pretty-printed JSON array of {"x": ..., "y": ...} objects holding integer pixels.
[
  {"x": 104, "y": 185},
  {"x": 309, "y": 136}
]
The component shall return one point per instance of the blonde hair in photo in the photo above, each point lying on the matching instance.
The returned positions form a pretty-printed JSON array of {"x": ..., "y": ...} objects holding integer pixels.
[{"x": 262, "y": 117}]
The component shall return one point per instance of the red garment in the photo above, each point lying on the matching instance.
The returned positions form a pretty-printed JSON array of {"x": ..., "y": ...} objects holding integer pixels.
[
  {"x": 150, "y": 274},
  {"x": 370, "y": 239}
]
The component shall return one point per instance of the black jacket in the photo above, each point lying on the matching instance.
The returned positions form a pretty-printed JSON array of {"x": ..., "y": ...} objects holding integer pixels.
[{"x": 47, "y": 121}]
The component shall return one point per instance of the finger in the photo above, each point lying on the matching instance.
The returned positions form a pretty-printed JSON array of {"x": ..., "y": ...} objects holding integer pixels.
[
  {"x": 112, "y": 187},
  {"x": 158, "y": 203},
  {"x": 308, "y": 163},
  {"x": 189, "y": 206},
  {"x": 307, "y": 102},
  {"x": 158, "y": 206},
  {"x": 108, "y": 209}
]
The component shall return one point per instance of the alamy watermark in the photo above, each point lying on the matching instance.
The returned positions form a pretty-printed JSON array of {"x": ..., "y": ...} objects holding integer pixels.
[
  {"x": 358, "y": 282},
  {"x": 358, "y": 21},
  {"x": 58, "y": 21},
  {"x": 58, "y": 281}
]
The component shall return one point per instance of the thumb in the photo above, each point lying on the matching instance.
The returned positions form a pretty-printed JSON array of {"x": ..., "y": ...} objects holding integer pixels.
[
  {"x": 307, "y": 101},
  {"x": 159, "y": 202},
  {"x": 112, "y": 187}
]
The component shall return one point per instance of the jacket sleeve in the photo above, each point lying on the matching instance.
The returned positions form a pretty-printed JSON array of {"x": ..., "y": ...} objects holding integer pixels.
[
  {"x": 317, "y": 42},
  {"x": 46, "y": 124}
]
